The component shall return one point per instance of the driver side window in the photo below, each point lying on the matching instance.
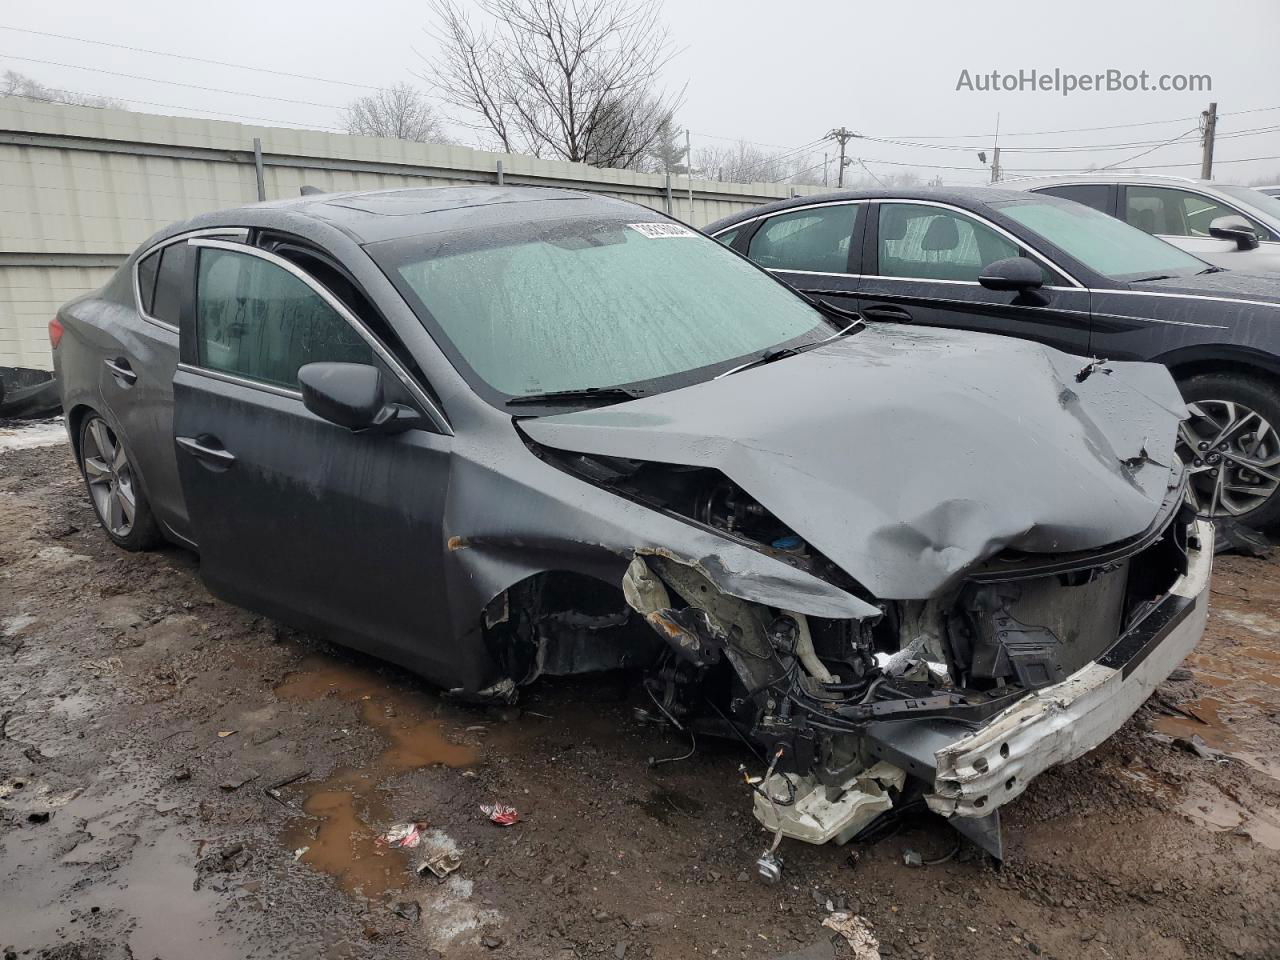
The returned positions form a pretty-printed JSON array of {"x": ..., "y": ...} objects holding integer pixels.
[
  {"x": 1167, "y": 212},
  {"x": 933, "y": 243},
  {"x": 257, "y": 320}
]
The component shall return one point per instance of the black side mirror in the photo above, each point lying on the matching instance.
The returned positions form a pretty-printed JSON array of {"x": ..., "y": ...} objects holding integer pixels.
[
  {"x": 1012, "y": 273},
  {"x": 351, "y": 395},
  {"x": 1234, "y": 228}
]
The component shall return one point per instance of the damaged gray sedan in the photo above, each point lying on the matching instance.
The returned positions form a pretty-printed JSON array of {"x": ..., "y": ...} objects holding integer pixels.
[{"x": 499, "y": 433}]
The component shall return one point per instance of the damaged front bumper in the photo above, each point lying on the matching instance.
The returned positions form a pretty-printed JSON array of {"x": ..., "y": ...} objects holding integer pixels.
[{"x": 975, "y": 774}]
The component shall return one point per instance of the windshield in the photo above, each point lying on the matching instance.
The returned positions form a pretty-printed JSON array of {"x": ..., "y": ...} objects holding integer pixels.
[
  {"x": 1104, "y": 244},
  {"x": 1261, "y": 202},
  {"x": 569, "y": 304}
]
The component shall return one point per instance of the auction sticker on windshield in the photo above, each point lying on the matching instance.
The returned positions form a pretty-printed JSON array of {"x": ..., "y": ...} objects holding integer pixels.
[{"x": 657, "y": 231}]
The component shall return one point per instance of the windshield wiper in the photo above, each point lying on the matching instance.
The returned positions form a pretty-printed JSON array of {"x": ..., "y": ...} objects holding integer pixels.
[
  {"x": 1159, "y": 276},
  {"x": 1211, "y": 270},
  {"x": 767, "y": 357},
  {"x": 589, "y": 394}
]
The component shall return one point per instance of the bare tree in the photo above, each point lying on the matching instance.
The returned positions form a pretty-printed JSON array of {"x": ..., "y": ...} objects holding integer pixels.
[
  {"x": 400, "y": 112},
  {"x": 575, "y": 80},
  {"x": 15, "y": 84}
]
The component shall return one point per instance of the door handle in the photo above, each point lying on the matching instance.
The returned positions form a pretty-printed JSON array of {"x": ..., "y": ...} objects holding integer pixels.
[
  {"x": 121, "y": 370},
  {"x": 202, "y": 451},
  {"x": 883, "y": 312}
]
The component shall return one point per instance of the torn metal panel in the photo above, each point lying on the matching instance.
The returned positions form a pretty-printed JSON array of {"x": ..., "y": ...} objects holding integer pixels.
[{"x": 1041, "y": 465}]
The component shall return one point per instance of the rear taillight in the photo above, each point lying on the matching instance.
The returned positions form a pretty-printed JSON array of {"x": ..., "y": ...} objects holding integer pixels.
[{"x": 55, "y": 332}]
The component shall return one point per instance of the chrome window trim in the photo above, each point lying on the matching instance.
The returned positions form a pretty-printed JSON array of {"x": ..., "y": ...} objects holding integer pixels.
[
  {"x": 777, "y": 213},
  {"x": 1022, "y": 244},
  {"x": 1075, "y": 284},
  {"x": 418, "y": 394},
  {"x": 965, "y": 283},
  {"x": 241, "y": 381},
  {"x": 241, "y": 232}
]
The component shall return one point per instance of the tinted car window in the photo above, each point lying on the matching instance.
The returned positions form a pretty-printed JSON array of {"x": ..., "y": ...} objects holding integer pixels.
[
  {"x": 170, "y": 277},
  {"x": 1090, "y": 194},
  {"x": 816, "y": 239},
  {"x": 1172, "y": 213},
  {"x": 259, "y": 321},
  {"x": 932, "y": 243},
  {"x": 147, "y": 268},
  {"x": 1102, "y": 243},
  {"x": 728, "y": 236}
]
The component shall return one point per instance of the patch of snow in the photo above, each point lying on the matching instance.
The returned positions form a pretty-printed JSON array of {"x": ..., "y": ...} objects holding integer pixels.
[{"x": 41, "y": 433}]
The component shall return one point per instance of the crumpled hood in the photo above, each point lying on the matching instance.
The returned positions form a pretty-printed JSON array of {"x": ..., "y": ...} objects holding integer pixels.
[{"x": 909, "y": 455}]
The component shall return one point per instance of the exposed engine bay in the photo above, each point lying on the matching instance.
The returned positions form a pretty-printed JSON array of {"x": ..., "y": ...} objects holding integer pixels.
[{"x": 847, "y": 717}]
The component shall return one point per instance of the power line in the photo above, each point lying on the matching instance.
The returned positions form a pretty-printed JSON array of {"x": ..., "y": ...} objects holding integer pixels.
[
  {"x": 1195, "y": 129},
  {"x": 175, "y": 83},
  {"x": 1046, "y": 133},
  {"x": 1078, "y": 148},
  {"x": 194, "y": 59}
]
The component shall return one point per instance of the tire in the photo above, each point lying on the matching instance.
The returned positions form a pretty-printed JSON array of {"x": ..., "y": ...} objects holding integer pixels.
[
  {"x": 1242, "y": 413},
  {"x": 114, "y": 488}
]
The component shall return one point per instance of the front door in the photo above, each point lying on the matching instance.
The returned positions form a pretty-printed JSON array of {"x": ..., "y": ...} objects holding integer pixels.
[
  {"x": 294, "y": 516},
  {"x": 922, "y": 267}
]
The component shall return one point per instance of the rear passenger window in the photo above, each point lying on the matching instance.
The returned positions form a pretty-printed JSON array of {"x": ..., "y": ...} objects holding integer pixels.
[
  {"x": 170, "y": 277},
  {"x": 933, "y": 243},
  {"x": 1094, "y": 195},
  {"x": 147, "y": 268},
  {"x": 816, "y": 239},
  {"x": 257, "y": 320}
]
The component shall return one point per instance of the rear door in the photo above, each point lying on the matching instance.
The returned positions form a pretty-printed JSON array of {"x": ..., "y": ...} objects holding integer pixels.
[
  {"x": 813, "y": 248},
  {"x": 294, "y": 516},
  {"x": 922, "y": 264},
  {"x": 136, "y": 377}
]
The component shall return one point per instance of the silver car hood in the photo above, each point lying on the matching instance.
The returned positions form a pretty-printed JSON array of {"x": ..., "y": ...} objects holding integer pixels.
[{"x": 907, "y": 456}]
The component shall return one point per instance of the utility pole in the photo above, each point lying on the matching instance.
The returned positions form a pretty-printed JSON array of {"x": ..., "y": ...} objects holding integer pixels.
[
  {"x": 824, "y": 168},
  {"x": 1210, "y": 118},
  {"x": 995, "y": 153},
  {"x": 688, "y": 169},
  {"x": 843, "y": 136}
]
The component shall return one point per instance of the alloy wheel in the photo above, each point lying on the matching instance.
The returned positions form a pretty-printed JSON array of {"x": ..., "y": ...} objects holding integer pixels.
[
  {"x": 110, "y": 477},
  {"x": 1233, "y": 455}
]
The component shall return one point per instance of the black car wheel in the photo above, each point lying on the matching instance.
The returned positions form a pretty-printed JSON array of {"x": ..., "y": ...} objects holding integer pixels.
[
  {"x": 114, "y": 488},
  {"x": 1232, "y": 448}
]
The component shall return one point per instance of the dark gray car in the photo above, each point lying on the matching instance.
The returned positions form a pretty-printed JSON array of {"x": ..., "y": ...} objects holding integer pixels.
[{"x": 497, "y": 433}]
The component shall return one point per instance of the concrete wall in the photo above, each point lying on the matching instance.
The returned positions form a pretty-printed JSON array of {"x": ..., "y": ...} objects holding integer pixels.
[{"x": 80, "y": 188}]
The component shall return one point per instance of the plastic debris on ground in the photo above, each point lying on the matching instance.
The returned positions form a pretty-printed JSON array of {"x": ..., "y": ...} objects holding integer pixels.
[
  {"x": 857, "y": 934},
  {"x": 405, "y": 835},
  {"x": 912, "y": 859},
  {"x": 441, "y": 864},
  {"x": 502, "y": 814}
]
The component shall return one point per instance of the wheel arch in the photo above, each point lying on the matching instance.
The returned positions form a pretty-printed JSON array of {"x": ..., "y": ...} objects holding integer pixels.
[{"x": 1190, "y": 362}]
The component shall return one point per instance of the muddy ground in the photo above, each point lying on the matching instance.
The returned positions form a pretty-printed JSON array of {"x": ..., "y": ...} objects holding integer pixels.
[{"x": 144, "y": 725}]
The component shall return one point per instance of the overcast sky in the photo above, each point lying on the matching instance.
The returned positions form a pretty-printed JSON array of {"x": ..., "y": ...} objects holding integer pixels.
[{"x": 776, "y": 73}]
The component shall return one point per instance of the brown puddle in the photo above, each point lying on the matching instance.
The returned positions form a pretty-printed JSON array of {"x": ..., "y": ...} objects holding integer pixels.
[{"x": 350, "y": 806}]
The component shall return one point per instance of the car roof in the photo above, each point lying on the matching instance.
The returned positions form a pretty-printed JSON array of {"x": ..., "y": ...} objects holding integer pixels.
[
  {"x": 968, "y": 197},
  {"x": 1149, "y": 179},
  {"x": 370, "y": 216}
]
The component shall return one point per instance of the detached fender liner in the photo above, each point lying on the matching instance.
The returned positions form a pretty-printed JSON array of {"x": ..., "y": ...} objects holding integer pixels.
[{"x": 981, "y": 771}]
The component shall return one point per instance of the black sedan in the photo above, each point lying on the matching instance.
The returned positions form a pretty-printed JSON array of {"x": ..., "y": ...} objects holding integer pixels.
[
  {"x": 1055, "y": 271},
  {"x": 496, "y": 433}
]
